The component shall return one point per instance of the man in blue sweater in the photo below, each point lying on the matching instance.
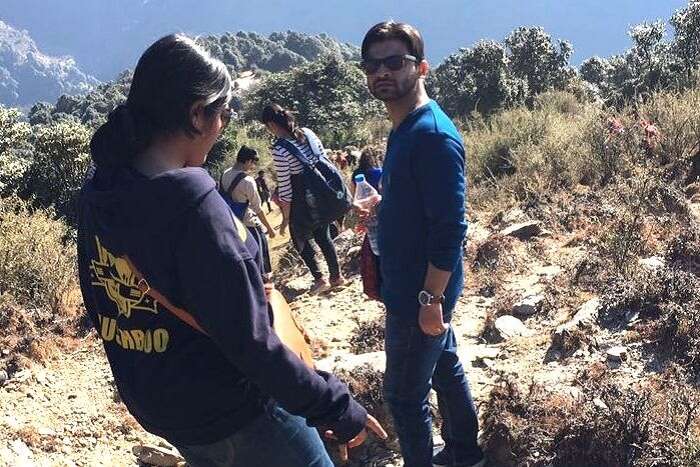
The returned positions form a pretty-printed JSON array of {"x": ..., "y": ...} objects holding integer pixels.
[{"x": 421, "y": 230}]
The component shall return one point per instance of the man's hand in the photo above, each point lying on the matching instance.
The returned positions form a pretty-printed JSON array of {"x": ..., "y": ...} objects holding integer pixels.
[
  {"x": 268, "y": 287},
  {"x": 372, "y": 424},
  {"x": 430, "y": 319}
]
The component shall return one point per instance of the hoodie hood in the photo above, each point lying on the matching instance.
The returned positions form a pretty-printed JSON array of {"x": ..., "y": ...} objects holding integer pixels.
[{"x": 123, "y": 202}]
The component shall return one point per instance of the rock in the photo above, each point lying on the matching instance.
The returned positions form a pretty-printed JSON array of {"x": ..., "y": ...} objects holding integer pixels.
[
  {"x": 349, "y": 362},
  {"x": 296, "y": 287},
  {"x": 565, "y": 338},
  {"x": 523, "y": 230},
  {"x": 617, "y": 354},
  {"x": 354, "y": 251},
  {"x": 509, "y": 326},
  {"x": 3, "y": 377},
  {"x": 653, "y": 263},
  {"x": 158, "y": 456},
  {"x": 600, "y": 404},
  {"x": 529, "y": 305}
]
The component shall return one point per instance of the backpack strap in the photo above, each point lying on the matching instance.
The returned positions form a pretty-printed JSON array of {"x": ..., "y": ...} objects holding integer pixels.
[
  {"x": 294, "y": 150},
  {"x": 146, "y": 289},
  {"x": 234, "y": 183}
]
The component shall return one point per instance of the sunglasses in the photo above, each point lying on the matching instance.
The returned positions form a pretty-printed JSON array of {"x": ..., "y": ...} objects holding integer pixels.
[
  {"x": 226, "y": 115},
  {"x": 393, "y": 63}
]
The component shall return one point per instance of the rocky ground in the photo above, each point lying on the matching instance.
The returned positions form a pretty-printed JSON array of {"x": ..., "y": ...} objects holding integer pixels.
[{"x": 67, "y": 412}]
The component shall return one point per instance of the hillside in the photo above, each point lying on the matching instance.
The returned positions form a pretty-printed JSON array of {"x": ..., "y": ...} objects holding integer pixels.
[{"x": 27, "y": 75}]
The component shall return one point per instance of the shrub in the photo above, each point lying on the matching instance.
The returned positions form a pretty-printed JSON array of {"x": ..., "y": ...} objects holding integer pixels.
[{"x": 368, "y": 336}]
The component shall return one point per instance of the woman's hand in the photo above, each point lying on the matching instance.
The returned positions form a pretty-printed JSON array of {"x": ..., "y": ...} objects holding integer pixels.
[{"x": 372, "y": 425}]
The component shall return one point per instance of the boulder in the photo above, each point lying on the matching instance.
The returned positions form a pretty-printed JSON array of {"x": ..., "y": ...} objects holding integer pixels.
[
  {"x": 529, "y": 305},
  {"x": 617, "y": 354},
  {"x": 158, "y": 456},
  {"x": 653, "y": 263},
  {"x": 509, "y": 327},
  {"x": 523, "y": 230}
]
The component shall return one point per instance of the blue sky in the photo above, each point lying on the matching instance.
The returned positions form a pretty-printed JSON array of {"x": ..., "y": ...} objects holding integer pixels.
[{"x": 107, "y": 36}]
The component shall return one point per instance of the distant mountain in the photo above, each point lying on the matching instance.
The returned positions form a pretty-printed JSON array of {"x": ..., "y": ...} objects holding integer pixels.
[{"x": 27, "y": 75}]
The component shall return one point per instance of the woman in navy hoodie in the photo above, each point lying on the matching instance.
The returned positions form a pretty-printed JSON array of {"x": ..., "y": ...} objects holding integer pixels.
[{"x": 232, "y": 395}]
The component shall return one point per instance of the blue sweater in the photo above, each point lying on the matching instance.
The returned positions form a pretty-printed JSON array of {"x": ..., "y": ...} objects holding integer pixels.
[{"x": 422, "y": 214}]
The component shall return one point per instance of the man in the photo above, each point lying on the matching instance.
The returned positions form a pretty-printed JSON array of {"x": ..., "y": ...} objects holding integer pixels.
[
  {"x": 421, "y": 229},
  {"x": 243, "y": 189}
]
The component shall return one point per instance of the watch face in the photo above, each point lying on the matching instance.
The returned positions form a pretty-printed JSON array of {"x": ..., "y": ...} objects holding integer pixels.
[{"x": 424, "y": 298}]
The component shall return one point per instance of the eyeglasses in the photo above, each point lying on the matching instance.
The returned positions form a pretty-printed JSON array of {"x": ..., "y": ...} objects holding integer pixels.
[
  {"x": 393, "y": 63},
  {"x": 226, "y": 115}
]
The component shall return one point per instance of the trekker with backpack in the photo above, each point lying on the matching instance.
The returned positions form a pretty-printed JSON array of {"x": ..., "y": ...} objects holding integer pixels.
[
  {"x": 171, "y": 281},
  {"x": 241, "y": 188},
  {"x": 311, "y": 191}
]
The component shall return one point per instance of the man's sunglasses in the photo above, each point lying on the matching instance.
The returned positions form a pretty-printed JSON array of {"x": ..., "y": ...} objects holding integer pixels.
[{"x": 393, "y": 63}]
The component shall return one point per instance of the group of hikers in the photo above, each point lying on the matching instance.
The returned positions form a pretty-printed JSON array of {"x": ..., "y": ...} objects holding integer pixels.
[{"x": 175, "y": 271}]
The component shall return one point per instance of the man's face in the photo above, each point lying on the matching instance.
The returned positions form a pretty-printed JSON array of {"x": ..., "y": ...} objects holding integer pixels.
[{"x": 388, "y": 85}]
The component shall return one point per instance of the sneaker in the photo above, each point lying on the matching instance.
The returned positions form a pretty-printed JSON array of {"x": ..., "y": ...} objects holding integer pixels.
[
  {"x": 442, "y": 458},
  {"x": 338, "y": 282},
  {"x": 319, "y": 286}
]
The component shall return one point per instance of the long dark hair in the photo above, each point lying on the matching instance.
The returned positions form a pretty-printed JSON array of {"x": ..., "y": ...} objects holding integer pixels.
[
  {"x": 277, "y": 114},
  {"x": 171, "y": 75},
  {"x": 369, "y": 159}
]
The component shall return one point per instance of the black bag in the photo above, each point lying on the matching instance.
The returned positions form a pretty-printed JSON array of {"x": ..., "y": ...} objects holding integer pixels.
[{"x": 325, "y": 191}]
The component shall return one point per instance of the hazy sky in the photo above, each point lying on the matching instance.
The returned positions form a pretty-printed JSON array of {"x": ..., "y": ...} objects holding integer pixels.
[{"x": 107, "y": 36}]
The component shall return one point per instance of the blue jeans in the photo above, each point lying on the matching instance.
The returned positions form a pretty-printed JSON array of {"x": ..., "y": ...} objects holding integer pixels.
[
  {"x": 274, "y": 439},
  {"x": 414, "y": 361}
]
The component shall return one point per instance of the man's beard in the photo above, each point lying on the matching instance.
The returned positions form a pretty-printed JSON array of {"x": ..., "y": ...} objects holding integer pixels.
[{"x": 399, "y": 90}]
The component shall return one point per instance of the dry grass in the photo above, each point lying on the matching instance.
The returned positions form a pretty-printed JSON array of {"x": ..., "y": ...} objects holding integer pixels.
[
  {"x": 603, "y": 425},
  {"x": 368, "y": 336}
]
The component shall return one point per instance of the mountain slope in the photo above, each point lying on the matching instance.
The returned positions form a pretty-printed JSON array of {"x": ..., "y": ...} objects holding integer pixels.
[{"x": 27, "y": 75}]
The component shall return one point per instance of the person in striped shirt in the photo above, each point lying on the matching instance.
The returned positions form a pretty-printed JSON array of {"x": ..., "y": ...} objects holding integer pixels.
[{"x": 296, "y": 211}]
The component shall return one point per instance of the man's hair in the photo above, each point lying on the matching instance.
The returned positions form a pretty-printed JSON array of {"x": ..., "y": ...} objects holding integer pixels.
[
  {"x": 388, "y": 30},
  {"x": 246, "y": 154}
]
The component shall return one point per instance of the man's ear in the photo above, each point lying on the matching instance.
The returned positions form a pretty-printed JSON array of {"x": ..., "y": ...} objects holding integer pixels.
[
  {"x": 197, "y": 116},
  {"x": 423, "y": 68}
]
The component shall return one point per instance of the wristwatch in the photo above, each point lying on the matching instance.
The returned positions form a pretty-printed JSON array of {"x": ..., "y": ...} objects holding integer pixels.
[{"x": 425, "y": 298}]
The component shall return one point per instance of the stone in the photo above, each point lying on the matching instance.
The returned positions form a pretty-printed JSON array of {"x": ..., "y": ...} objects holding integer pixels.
[
  {"x": 156, "y": 455},
  {"x": 508, "y": 326},
  {"x": 523, "y": 230},
  {"x": 354, "y": 251},
  {"x": 617, "y": 354},
  {"x": 653, "y": 263},
  {"x": 564, "y": 335},
  {"x": 3, "y": 377},
  {"x": 598, "y": 402},
  {"x": 349, "y": 362},
  {"x": 529, "y": 305}
]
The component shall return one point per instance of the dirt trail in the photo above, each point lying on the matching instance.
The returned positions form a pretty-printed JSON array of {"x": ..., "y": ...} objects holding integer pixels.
[{"x": 66, "y": 413}]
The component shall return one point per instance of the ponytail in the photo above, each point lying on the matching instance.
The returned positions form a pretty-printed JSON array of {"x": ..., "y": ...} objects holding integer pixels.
[{"x": 277, "y": 114}]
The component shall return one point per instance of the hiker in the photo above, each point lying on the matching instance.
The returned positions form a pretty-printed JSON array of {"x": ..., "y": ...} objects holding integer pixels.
[
  {"x": 421, "y": 229},
  {"x": 242, "y": 188},
  {"x": 201, "y": 365},
  {"x": 295, "y": 149},
  {"x": 264, "y": 192},
  {"x": 370, "y": 167}
]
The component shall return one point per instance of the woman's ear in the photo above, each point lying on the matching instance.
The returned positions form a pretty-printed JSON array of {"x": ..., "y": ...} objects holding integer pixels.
[
  {"x": 197, "y": 116},
  {"x": 423, "y": 68}
]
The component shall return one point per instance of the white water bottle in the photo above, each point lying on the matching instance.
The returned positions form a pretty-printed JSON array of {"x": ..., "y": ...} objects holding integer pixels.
[{"x": 366, "y": 197}]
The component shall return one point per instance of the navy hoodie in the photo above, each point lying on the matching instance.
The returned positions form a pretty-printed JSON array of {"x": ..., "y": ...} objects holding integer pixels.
[{"x": 185, "y": 386}]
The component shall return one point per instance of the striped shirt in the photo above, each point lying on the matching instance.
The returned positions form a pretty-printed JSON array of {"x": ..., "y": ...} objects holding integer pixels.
[{"x": 287, "y": 164}]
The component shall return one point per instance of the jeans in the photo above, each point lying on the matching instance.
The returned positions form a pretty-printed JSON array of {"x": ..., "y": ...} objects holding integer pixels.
[
  {"x": 274, "y": 439},
  {"x": 322, "y": 236},
  {"x": 414, "y": 360}
]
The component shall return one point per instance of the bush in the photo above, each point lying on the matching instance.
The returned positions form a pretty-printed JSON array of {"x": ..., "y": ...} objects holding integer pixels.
[
  {"x": 606, "y": 426},
  {"x": 368, "y": 336},
  {"x": 38, "y": 290},
  {"x": 61, "y": 159}
]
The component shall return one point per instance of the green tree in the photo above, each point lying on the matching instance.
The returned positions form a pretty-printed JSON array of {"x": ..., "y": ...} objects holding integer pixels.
[
  {"x": 686, "y": 43},
  {"x": 14, "y": 149},
  {"x": 61, "y": 159},
  {"x": 329, "y": 95},
  {"x": 476, "y": 79},
  {"x": 534, "y": 57}
]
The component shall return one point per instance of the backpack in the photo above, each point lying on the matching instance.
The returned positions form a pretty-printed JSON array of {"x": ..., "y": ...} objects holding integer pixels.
[
  {"x": 323, "y": 182},
  {"x": 238, "y": 208}
]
